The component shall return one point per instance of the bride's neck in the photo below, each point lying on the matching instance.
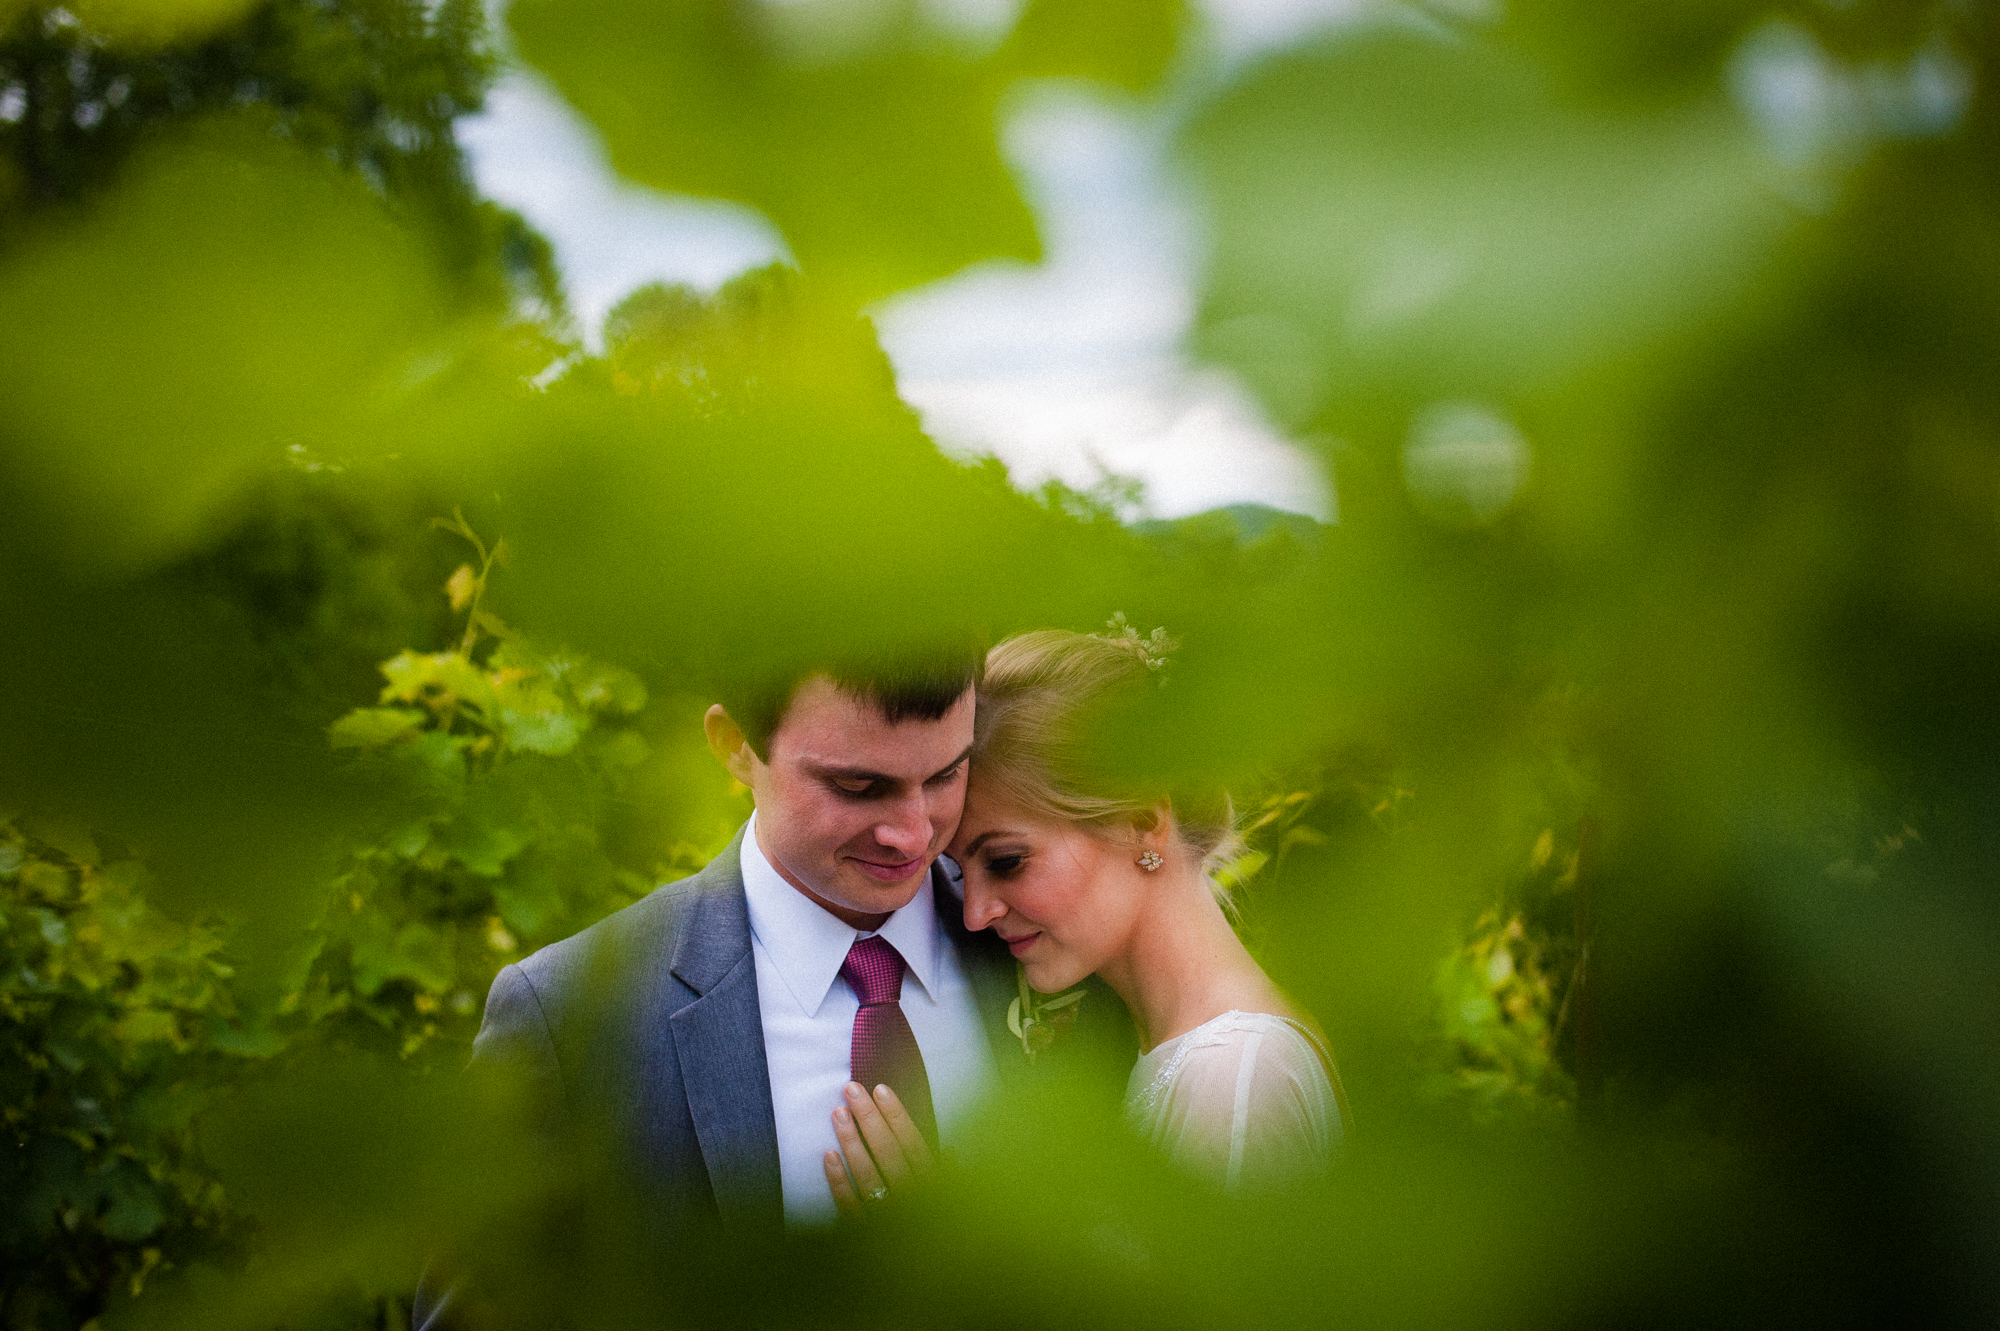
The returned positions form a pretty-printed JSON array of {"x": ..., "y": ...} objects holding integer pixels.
[{"x": 1184, "y": 964}]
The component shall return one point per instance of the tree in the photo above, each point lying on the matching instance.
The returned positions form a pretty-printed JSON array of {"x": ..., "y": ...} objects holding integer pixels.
[{"x": 374, "y": 85}]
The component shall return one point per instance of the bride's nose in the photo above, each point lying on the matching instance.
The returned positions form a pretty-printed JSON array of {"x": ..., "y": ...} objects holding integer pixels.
[{"x": 981, "y": 906}]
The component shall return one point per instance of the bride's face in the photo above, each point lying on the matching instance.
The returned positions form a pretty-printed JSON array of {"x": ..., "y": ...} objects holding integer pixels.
[{"x": 1065, "y": 901}]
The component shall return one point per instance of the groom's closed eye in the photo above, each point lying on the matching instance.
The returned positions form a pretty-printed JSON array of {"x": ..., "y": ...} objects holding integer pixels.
[
  {"x": 878, "y": 787},
  {"x": 860, "y": 786}
]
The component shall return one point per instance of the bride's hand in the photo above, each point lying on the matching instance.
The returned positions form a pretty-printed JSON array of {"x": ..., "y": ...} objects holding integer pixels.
[{"x": 880, "y": 1149}]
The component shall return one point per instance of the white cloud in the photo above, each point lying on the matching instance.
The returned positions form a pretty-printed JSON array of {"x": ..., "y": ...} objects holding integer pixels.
[
  {"x": 1073, "y": 365},
  {"x": 530, "y": 151}
]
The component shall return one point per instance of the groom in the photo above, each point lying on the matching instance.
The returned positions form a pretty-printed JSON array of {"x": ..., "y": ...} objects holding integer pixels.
[{"x": 707, "y": 1032}]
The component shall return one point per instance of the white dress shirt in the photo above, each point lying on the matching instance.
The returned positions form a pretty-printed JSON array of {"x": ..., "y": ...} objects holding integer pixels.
[{"x": 808, "y": 1013}]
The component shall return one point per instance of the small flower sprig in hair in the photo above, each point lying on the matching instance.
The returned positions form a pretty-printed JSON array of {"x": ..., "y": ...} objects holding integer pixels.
[{"x": 1153, "y": 648}]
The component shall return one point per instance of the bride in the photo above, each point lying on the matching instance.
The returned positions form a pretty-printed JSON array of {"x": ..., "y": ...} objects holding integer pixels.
[{"x": 1232, "y": 1083}]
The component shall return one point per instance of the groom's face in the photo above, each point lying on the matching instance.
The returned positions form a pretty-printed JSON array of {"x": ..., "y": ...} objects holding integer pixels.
[{"x": 852, "y": 807}]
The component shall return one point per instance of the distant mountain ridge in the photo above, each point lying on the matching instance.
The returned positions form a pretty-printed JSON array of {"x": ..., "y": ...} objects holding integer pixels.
[{"x": 1252, "y": 523}]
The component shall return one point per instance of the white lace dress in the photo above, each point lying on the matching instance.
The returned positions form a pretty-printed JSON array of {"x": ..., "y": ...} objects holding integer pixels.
[{"x": 1243, "y": 1100}]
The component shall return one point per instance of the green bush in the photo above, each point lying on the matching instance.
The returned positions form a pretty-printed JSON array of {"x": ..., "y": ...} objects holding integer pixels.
[
  {"x": 119, "y": 1026},
  {"x": 499, "y": 768}
]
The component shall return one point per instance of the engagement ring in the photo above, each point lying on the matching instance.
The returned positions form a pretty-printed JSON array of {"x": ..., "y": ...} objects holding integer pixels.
[{"x": 877, "y": 1194}]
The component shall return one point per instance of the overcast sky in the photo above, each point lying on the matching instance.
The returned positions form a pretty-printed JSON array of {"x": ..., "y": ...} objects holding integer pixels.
[{"x": 1068, "y": 368}]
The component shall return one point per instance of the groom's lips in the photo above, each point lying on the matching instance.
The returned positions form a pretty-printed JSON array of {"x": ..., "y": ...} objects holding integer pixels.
[
  {"x": 890, "y": 873},
  {"x": 1021, "y": 944}
]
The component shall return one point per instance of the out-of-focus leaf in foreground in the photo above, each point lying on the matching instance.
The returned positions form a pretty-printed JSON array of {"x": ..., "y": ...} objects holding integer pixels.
[
  {"x": 230, "y": 298},
  {"x": 163, "y": 348},
  {"x": 867, "y": 132},
  {"x": 1400, "y": 218},
  {"x": 354, "y": 1169},
  {"x": 1625, "y": 414}
]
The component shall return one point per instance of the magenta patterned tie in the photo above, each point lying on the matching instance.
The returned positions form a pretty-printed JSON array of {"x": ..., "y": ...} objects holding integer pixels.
[{"x": 885, "y": 1049}]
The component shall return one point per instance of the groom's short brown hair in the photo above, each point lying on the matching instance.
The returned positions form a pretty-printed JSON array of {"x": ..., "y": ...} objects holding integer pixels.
[{"x": 908, "y": 684}]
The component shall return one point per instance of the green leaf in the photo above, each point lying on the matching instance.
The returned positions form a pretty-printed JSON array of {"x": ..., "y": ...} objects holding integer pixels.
[
  {"x": 372, "y": 727},
  {"x": 605, "y": 688},
  {"x": 623, "y": 749},
  {"x": 530, "y": 895},
  {"x": 414, "y": 952},
  {"x": 135, "y": 1210},
  {"x": 533, "y": 715},
  {"x": 251, "y": 1039},
  {"x": 426, "y": 774},
  {"x": 146, "y": 1024},
  {"x": 1400, "y": 219},
  {"x": 870, "y": 142},
  {"x": 1129, "y": 43},
  {"x": 1242, "y": 868},
  {"x": 230, "y": 294},
  {"x": 438, "y": 679},
  {"x": 552, "y": 731},
  {"x": 492, "y": 624},
  {"x": 459, "y": 587},
  {"x": 488, "y": 831}
]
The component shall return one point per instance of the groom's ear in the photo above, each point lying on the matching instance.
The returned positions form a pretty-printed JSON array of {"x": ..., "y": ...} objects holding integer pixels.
[{"x": 726, "y": 742}]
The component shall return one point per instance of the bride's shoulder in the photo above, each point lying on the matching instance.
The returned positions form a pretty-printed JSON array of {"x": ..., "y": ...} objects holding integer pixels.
[
  {"x": 1237, "y": 1027},
  {"x": 1219, "y": 1047}
]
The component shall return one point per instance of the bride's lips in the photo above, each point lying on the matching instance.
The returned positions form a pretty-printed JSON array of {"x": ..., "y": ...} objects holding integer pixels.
[
  {"x": 890, "y": 873},
  {"x": 1019, "y": 944}
]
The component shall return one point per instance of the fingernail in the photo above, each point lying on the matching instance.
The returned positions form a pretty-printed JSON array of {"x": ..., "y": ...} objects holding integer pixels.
[
  {"x": 884, "y": 1094},
  {"x": 855, "y": 1092},
  {"x": 841, "y": 1117}
]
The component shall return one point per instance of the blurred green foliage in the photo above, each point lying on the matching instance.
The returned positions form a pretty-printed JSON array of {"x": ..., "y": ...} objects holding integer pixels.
[
  {"x": 372, "y": 85},
  {"x": 1622, "y": 765}
]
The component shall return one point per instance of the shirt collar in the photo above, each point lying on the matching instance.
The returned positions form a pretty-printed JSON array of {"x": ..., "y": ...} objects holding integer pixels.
[{"x": 808, "y": 944}]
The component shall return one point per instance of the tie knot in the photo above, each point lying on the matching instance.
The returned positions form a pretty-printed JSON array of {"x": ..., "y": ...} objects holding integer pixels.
[{"x": 874, "y": 970}]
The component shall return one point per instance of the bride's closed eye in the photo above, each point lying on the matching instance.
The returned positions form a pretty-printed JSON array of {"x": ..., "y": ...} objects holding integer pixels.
[{"x": 1005, "y": 866}]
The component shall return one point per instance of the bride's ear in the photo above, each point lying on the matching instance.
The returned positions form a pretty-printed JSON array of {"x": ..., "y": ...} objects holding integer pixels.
[{"x": 1153, "y": 828}]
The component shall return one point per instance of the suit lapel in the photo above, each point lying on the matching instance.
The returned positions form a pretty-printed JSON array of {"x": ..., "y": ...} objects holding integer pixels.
[{"x": 719, "y": 1040}]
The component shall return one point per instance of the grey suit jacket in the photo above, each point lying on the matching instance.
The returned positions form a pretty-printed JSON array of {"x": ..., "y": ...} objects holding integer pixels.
[{"x": 646, "y": 1025}]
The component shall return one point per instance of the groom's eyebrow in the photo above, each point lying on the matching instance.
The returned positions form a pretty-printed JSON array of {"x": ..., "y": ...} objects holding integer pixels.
[{"x": 835, "y": 772}]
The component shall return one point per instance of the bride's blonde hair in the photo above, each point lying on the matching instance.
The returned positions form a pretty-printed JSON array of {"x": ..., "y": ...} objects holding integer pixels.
[{"x": 1039, "y": 732}]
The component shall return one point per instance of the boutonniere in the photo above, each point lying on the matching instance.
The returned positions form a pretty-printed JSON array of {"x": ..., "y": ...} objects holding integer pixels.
[{"x": 1036, "y": 1019}]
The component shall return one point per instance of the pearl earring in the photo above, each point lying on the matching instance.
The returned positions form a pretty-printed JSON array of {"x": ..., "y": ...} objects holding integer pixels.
[{"x": 1150, "y": 860}]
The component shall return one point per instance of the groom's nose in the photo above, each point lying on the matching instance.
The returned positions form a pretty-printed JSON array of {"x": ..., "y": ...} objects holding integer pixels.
[{"x": 906, "y": 825}]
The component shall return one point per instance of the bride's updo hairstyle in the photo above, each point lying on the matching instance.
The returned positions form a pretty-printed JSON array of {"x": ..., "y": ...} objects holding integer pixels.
[{"x": 1045, "y": 710}]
